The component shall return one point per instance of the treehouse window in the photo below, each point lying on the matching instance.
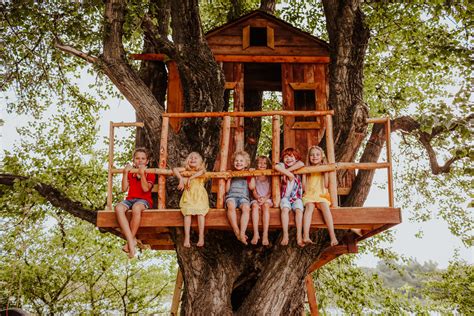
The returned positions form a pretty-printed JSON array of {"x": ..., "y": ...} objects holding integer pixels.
[
  {"x": 258, "y": 36},
  {"x": 305, "y": 100}
]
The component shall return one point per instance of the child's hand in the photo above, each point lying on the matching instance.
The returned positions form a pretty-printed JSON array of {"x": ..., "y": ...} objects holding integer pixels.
[
  {"x": 251, "y": 169},
  {"x": 141, "y": 170},
  {"x": 182, "y": 183},
  {"x": 187, "y": 183},
  {"x": 291, "y": 177},
  {"x": 261, "y": 200},
  {"x": 127, "y": 168}
]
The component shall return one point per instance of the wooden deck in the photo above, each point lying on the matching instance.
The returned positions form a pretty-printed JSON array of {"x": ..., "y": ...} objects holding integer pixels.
[{"x": 154, "y": 225}]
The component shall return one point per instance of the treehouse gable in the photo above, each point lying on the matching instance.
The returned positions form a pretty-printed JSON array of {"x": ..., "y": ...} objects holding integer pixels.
[{"x": 259, "y": 33}]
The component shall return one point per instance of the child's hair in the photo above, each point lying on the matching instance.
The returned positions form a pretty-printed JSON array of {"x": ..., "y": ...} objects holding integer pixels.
[
  {"x": 323, "y": 156},
  {"x": 201, "y": 165},
  {"x": 267, "y": 160},
  {"x": 290, "y": 151},
  {"x": 243, "y": 154},
  {"x": 141, "y": 150}
]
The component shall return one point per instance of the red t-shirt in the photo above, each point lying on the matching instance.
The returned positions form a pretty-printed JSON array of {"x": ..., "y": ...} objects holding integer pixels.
[{"x": 135, "y": 190}]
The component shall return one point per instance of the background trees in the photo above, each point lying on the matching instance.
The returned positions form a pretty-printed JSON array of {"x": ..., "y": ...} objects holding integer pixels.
[{"x": 418, "y": 69}]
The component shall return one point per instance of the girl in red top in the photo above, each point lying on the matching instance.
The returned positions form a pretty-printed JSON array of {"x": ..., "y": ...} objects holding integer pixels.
[{"x": 138, "y": 198}]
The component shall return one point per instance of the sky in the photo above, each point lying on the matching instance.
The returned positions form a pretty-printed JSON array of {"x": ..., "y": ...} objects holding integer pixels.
[{"x": 437, "y": 243}]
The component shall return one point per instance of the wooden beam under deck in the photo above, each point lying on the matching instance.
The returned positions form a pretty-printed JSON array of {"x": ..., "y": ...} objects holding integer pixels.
[{"x": 366, "y": 218}]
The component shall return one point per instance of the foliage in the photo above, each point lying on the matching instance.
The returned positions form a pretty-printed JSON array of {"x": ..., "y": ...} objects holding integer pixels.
[
  {"x": 58, "y": 265},
  {"x": 453, "y": 287}
]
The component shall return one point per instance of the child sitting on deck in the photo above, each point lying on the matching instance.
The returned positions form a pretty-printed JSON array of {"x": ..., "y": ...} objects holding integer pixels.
[
  {"x": 238, "y": 196},
  {"x": 316, "y": 193},
  {"x": 262, "y": 192},
  {"x": 291, "y": 192},
  {"x": 195, "y": 200},
  {"x": 138, "y": 198}
]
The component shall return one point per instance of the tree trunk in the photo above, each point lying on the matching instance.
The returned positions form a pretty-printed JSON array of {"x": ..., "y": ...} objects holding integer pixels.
[{"x": 226, "y": 277}]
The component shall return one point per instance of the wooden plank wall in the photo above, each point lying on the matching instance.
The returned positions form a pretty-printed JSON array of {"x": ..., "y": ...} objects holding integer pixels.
[
  {"x": 286, "y": 41},
  {"x": 303, "y": 74},
  {"x": 174, "y": 97}
]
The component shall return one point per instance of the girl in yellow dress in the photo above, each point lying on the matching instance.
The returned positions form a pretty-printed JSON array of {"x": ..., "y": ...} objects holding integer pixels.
[
  {"x": 316, "y": 194},
  {"x": 194, "y": 200}
]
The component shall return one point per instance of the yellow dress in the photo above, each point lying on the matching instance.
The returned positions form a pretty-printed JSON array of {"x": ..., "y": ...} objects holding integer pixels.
[
  {"x": 195, "y": 201},
  {"x": 315, "y": 189}
]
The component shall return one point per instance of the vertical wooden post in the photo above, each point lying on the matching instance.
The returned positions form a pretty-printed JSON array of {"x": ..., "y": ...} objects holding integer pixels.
[
  {"x": 311, "y": 294},
  {"x": 331, "y": 160},
  {"x": 177, "y": 293},
  {"x": 389, "y": 160},
  {"x": 276, "y": 159},
  {"x": 110, "y": 166},
  {"x": 162, "y": 164},
  {"x": 224, "y": 153},
  {"x": 239, "y": 135}
]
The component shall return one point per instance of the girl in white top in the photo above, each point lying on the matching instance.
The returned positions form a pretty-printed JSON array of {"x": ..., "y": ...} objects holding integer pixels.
[{"x": 262, "y": 192}]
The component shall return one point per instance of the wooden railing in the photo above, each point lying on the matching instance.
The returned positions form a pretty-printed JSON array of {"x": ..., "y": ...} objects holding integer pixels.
[{"x": 222, "y": 173}]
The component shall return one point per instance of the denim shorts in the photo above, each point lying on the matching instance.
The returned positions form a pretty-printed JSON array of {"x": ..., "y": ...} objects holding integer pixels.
[
  {"x": 298, "y": 203},
  {"x": 130, "y": 203},
  {"x": 238, "y": 201}
]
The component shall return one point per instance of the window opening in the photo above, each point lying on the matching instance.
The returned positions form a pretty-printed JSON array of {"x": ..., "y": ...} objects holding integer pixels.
[
  {"x": 305, "y": 100},
  {"x": 258, "y": 36}
]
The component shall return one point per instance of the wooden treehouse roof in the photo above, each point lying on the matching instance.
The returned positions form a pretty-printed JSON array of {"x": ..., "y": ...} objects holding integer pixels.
[
  {"x": 155, "y": 223},
  {"x": 286, "y": 43},
  {"x": 287, "y": 38}
]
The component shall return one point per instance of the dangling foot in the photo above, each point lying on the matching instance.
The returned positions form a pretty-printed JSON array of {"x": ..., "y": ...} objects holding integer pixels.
[
  {"x": 284, "y": 240},
  {"x": 265, "y": 241},
  {"x": 307, "y": 240},
  {"x": 237, "y": 234},
  {"x": 125, "y": 248},
  {"x": 300, "y": 242},
  {"x": 255, "y": 239},
  {"x": 200, "y": 243},
  {"x": 334, "y": 241},
  {"x": 131, "y": 251},
  {"x": 243, "y": 238},
  {"x": 187, "y": 243}
]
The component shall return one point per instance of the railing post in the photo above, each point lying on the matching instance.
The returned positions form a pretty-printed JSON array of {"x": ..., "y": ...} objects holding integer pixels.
[
  {"x": 311, "y": 295},
  {"x": 162, "y": 163},
  {"x": 276, "y": 159},
  {"x": 224, "y": 153},
  {"x": 177, "y": 293},
  {"x": 389, "y": 160},
  {"x": 110, "y": 167},
  {"x": 331, "y": 160}
]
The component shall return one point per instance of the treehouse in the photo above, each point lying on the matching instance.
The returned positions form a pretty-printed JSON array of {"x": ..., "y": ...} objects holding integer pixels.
[{"x": 259, "y": 52}]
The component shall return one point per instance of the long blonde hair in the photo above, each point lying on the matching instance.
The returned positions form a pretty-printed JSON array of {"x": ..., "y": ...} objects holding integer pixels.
[
  {"x": 323, "y": 155},
  {"x": 201, "y": 166}
]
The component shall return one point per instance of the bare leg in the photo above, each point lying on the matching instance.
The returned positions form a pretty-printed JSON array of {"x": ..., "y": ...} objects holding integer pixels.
[
  {"x": 307, "y": 217},
  {"x": 187, "y": 231},
  {"x": 120, "y": 211},
  {"x": 137, "y": 210},
  {"x": 284, "y": 225},
  {"x": 329, "y": 222},
  {"x": 201, "y": 224},
  {"x": 299, "y": 226},
  {"x": 232, "y": 217},
  {"x": 266, "y": 222},
  {"x": 256, "y": 236},
  {"x": 244, "y": 221}
]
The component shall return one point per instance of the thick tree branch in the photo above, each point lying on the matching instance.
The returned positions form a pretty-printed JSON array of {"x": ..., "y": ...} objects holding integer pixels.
[
  {"x": 406, "y": 124},
  {"x": 57, "y": 199},
  {"x": 74, "y": 51},
  {"x": 160, "y": 44}
]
